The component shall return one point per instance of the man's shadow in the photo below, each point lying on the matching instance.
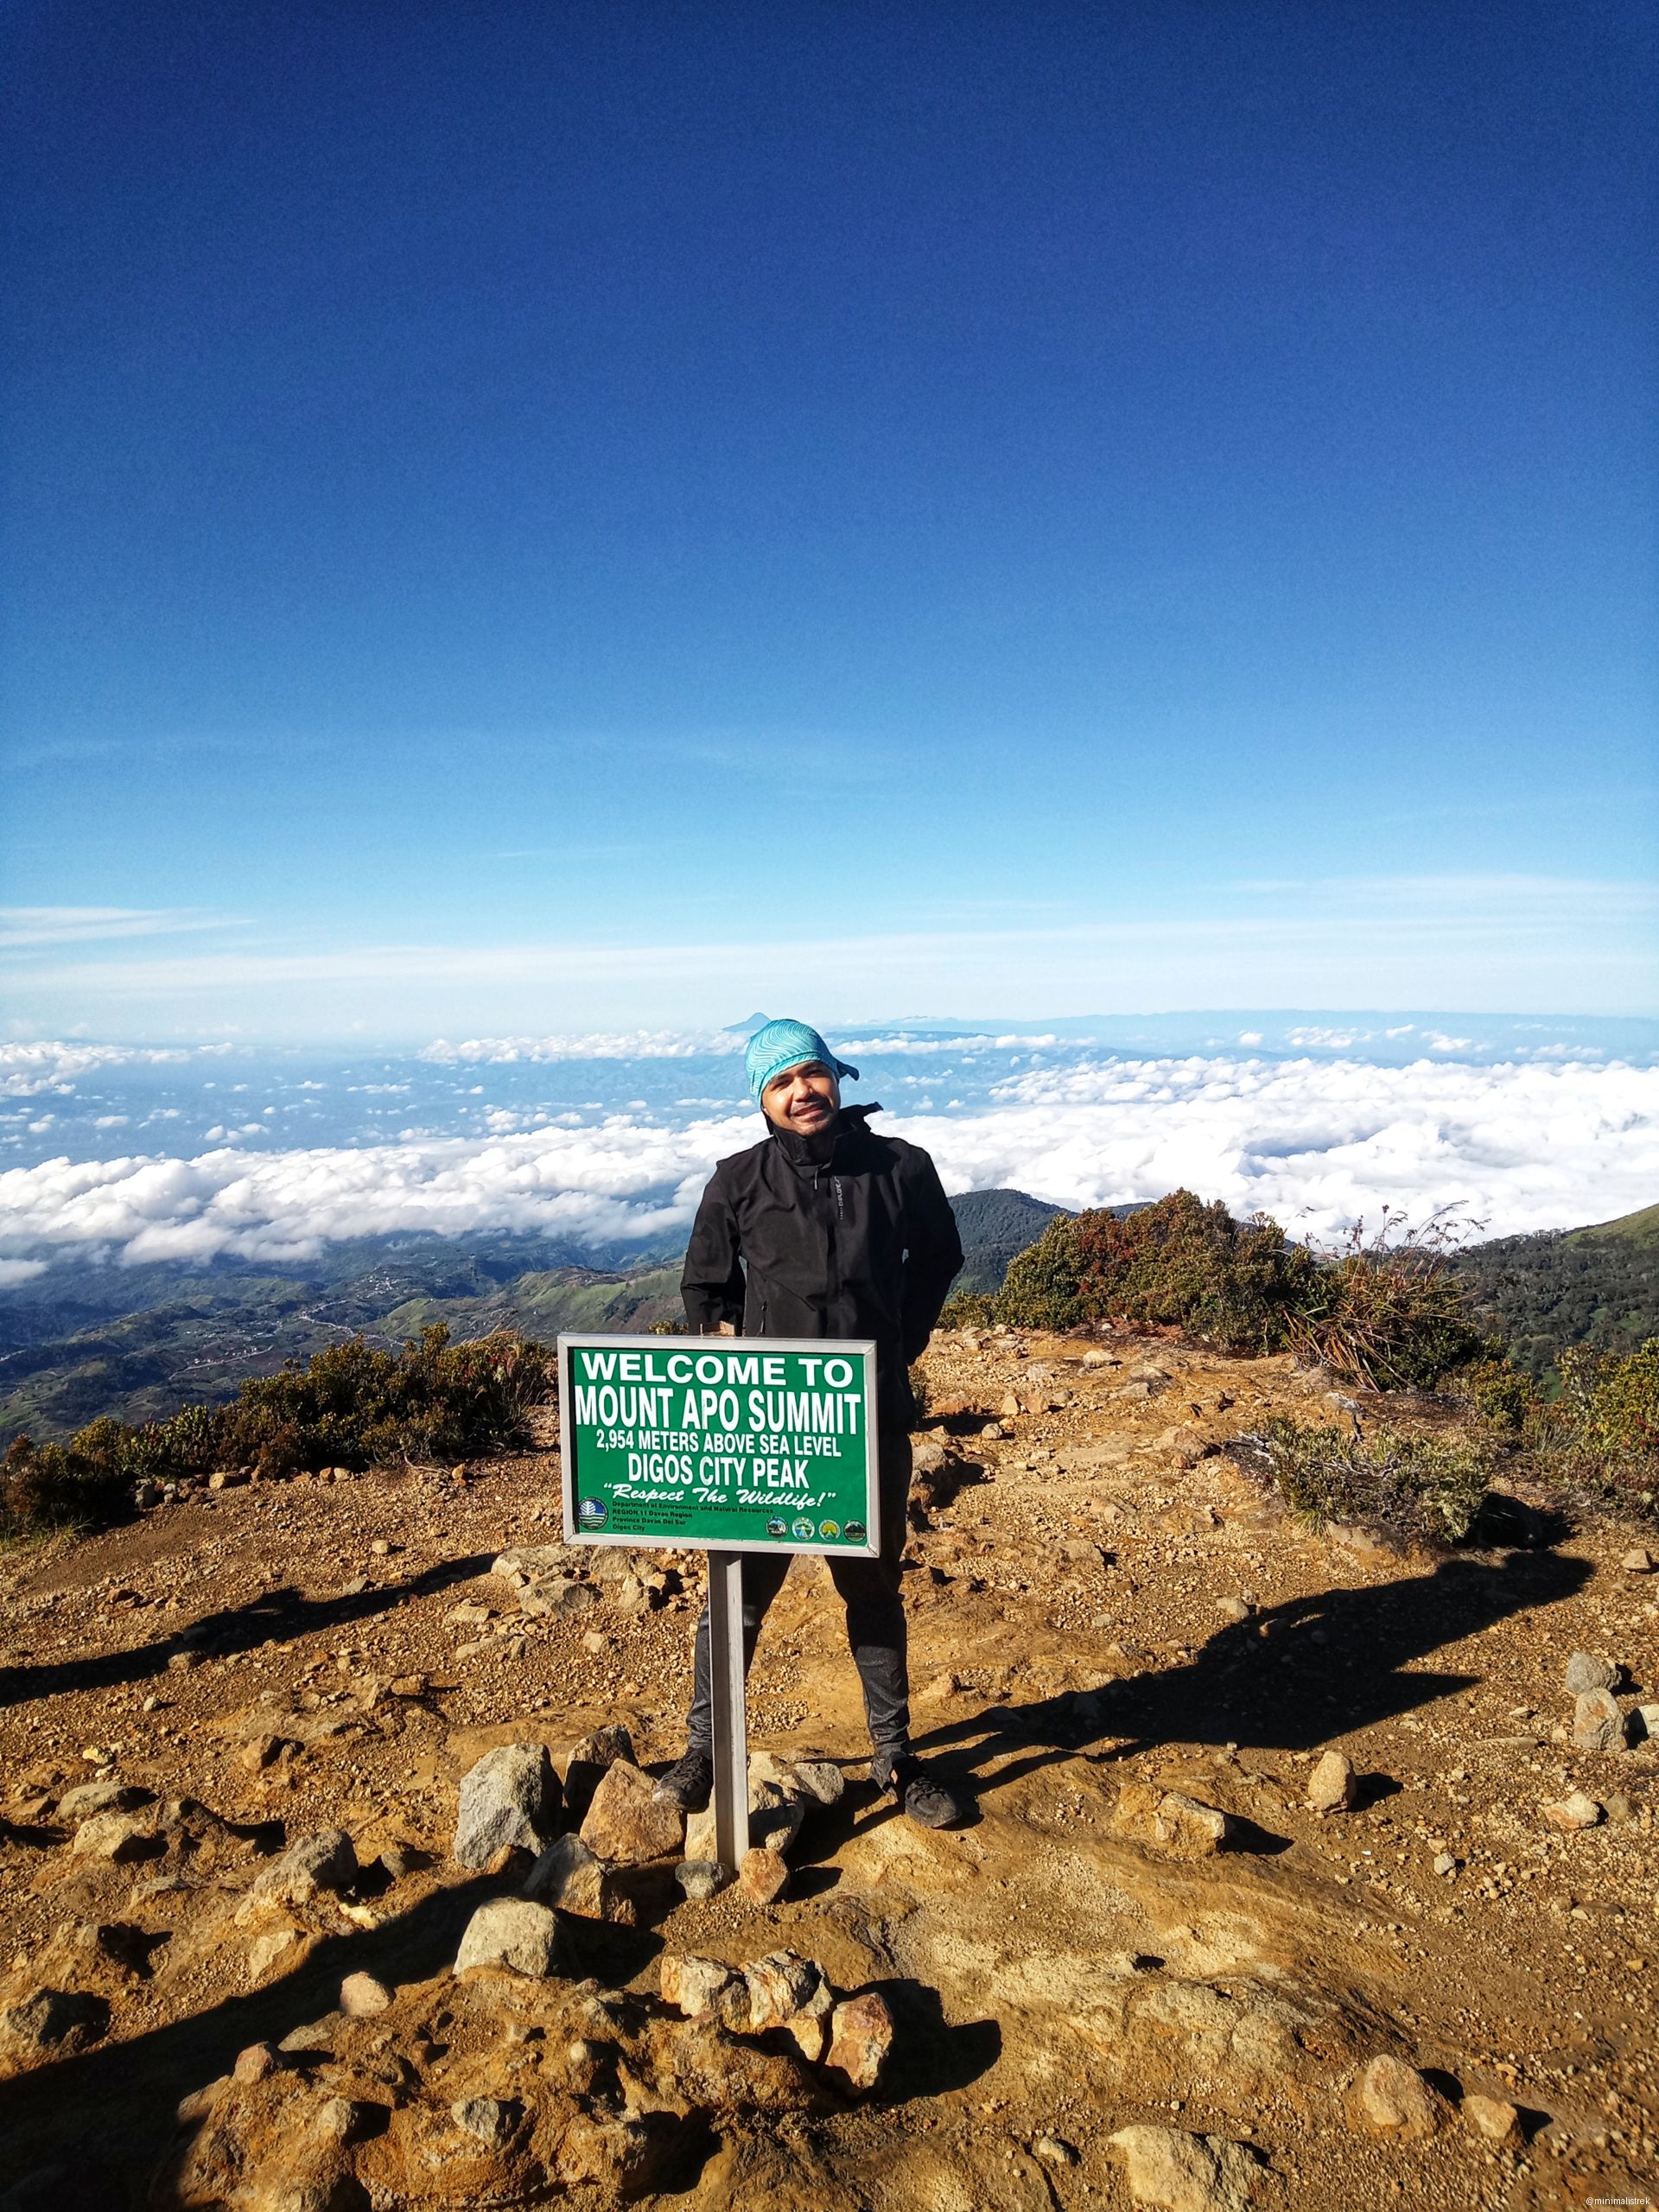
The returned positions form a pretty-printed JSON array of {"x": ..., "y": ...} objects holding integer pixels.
[{"x": 1290, "y": 1677}]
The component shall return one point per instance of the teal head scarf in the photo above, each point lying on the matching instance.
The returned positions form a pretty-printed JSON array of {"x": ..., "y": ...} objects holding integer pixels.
[{"x": 781, "y": 1045}]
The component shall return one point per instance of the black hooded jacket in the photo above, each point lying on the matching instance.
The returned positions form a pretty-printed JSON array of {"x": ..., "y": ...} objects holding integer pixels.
[{"x": 843, "y": 1233}]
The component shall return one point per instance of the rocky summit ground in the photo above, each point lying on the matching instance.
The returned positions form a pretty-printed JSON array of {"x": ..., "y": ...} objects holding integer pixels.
[{"x": 1181, "y": 1958}]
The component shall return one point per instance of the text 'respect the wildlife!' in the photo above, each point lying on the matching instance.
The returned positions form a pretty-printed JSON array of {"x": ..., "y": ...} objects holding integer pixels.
[{"x": 722, "y": 1444}]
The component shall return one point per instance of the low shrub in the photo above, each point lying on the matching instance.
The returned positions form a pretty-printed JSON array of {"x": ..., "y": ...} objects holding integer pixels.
[
  {"x": 1387, "y": 1310},
  {"x": 351, "y": 1406},
  {"x": 1423, "y": 1488},
  {"x": 1179, "y": 1262},
  {"x": 1598, "y": 1443}
]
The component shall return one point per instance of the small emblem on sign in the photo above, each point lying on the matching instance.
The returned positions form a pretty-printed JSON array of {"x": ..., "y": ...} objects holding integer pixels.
[
  {"x": 594, "y": 1512},
  {"x": 802, "y": 1530},
  {"x": 775, "y": 1527},
  {"x": 856, "y": 1532},
  {"x": 828, "y": 1527}
]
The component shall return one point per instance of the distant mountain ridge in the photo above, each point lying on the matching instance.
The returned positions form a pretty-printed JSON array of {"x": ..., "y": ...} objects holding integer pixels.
[
  {"x": 1597, "y": 1285},
  {"x": 138, "y": 1342}
]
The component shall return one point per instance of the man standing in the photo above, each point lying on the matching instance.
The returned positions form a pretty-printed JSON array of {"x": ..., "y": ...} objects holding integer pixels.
[{"x": 826, "y": 1229}]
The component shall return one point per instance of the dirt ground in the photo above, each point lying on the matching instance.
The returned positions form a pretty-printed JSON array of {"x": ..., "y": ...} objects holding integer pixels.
[{"x": 1106, "y": 1600}]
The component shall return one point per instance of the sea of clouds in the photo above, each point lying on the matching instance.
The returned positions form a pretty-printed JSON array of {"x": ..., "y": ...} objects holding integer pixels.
[{"x": 505, "y": 1134}]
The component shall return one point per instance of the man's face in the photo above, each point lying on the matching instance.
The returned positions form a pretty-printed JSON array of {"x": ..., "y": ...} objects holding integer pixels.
[{"x": 805, "y": 1099}]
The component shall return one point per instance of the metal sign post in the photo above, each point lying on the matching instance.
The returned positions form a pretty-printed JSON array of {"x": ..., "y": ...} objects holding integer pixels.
[
  {"x": 731, "y": 1707},
  {"x": 725, "y": 1445}
]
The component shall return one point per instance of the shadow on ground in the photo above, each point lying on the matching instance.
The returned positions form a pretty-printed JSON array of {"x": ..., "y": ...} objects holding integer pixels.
[
  {"x": 1290, "y": 1678},
  {"x": 275, "y": 1617}
]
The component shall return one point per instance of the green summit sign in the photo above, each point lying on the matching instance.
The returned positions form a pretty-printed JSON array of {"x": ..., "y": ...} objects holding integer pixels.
[{"x": 733, "y": 1444}]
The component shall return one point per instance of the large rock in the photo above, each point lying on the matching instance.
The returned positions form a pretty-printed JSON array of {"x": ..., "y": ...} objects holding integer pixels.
[
  {"x": 509, "y": 1801},
  {"x": 108, "y": 1796},
  {"x": 1175, "y": 2171},
  {"x": 54, "y": 2021},
  {"x": 122, "y": 1838},
  {"x": 324, "y": 1860},
  {"x": 559, "y": 1600},
  {"x": 762, "y": 1874},
  {"x": 1598, "y": 1724},
  {"x": 1491, "y": 2120},
  {"x": 1585, "y": 1672},
  {"x": 493, "y": 2120},
  {"x": 1177, "y": 1826},
  {"x": 821, "y": 1780},
  {"x": 1333, "y": 1787},
  {"x": 1392, "y": 2099},
  {"x": 590, "y": 1758},
  {"x": 861, "y": 2035},
  {"x": 569, "y": 1875},
  {"x": 696, "y": 1985},
  {"x": 790, "y": 1992},
  {"x": 625, "y": 1823},
  {"x": 1574, "y": 1812},
  {"x": 510, "y": 1932}
]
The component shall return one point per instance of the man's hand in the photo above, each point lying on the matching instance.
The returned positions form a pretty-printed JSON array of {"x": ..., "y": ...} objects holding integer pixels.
[{"x": 720, "y": 1329}]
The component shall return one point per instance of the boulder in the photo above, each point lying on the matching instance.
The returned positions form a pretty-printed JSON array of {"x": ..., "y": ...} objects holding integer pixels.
[
  {"x": 1598, "y": 1724},
  {"x": 1585, "y": 1672},
  {"x": 626, "y": 1822},
  {"x": 119, "y": 1837},
  {"x": 790, "y": 1992},
  {"x": 1491, "y": 2120},
  {"x": 590, "y": 1758},
  {"x": 821, "y": 1780},
  {"x": 696, "y": 1986},
  {"x": 54, "y": 2020},
  {"x": 1574, "y": 1812},
  {"x": 510, "y": 1932},
  {"x": 1392, "y": 2099},
  {"x": 762, "y": 1875},
  {"x": 569, "y": 1875},
  {"x": 493, "y": 2120},
  {"x": 560, "y": 1598},
  {"x": 274, "y": 1944},
  {"x": 861, "y": 2035},
  {"x": 1333, "y": 1786},
  {"x": 1177, "y": 1826},
  {"x": 107, "y": 1796},
  {"x": 509, "y": 1801},
  {"x": 701, "y": 1878},
  {"x": 361, "y": 1995},
  {"x": 778, "y": 1985},
  {"x": 1174, "y": 2171},
  {"x": 324, "y": 1860}
]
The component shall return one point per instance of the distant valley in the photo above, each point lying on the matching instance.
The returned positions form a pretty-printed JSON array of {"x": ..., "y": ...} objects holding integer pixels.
[{"x": 83, "y": 1340}]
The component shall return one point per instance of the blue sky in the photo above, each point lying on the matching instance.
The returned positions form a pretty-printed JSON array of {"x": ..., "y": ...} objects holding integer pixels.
[{"x": 567, "y": 515}]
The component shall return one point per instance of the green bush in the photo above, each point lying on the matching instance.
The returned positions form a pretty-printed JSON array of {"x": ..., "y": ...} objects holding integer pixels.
[
  {"x": 1419, "y": 1487},
  {"x": 1598, "y": 1443},
  {"x": 1499, "y": 1393},
  {"x": 1229, "y": 1283},
  {"x": 1389, "y": 1313},
  {"x": 351, "y": 1406}
]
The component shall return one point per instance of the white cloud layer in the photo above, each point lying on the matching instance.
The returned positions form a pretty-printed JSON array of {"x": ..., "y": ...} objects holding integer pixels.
[
  {"x": 1316, "y": 1144},
  {"x": 595, "y": 1045},
  {"x": 27, "y": 1069}
]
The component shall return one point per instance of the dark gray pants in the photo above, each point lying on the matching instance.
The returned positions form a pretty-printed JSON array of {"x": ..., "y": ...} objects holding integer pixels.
[{"x": 869, "y": 1588}]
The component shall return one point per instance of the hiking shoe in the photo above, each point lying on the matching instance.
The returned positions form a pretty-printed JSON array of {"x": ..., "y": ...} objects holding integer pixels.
[
  {"x": 687, "y": 1783},
  {"x": 923, "y": 1799}
]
